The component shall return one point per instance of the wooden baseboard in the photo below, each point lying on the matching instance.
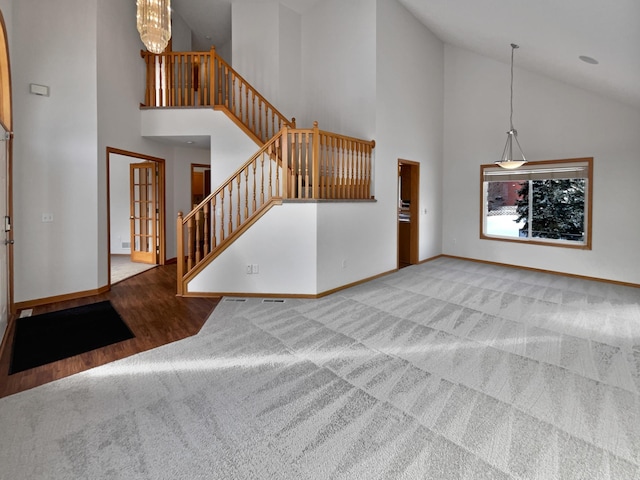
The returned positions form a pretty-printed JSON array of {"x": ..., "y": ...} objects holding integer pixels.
[
  {"x": 542, "y": 270},
  {"x": 310, "y": 296},
  {"x": 60, "y": 298}
]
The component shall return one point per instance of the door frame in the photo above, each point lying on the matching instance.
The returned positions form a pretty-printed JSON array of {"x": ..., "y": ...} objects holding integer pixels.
[
  {"x": 6, "y": 119},
  {"x": 161, "y": 189},
  {"x": 414, "y": 228}
]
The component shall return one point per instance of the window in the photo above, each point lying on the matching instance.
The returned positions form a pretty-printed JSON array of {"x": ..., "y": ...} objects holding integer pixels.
[{"x": 546, "y": 202}]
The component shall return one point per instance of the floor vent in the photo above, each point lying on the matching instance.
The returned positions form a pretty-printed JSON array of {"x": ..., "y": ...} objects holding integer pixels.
[
  {"x": 235, "y": 299},
  {"x": 273, "y": 300}
]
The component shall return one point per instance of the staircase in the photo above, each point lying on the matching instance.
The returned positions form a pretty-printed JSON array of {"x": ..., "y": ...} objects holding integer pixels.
[{"x": 291, "y": 163}]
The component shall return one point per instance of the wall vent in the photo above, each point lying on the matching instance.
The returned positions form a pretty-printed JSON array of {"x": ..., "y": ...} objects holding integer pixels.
[
  {"x": 235, "y": 299},
  {"x": 126, "y": 245},
  {"x": 273, "y": 300}
]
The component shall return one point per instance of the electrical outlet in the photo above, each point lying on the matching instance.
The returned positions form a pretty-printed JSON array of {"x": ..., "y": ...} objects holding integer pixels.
[
  {"x": 47, "y": 217},
  {"x": 344, "y": 263},
  {"x": 255, "y": 269},
  {"x": 249, "y": 270}
]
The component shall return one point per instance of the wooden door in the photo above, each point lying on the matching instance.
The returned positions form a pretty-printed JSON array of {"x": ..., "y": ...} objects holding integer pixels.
[
  {"x": 144, "y": 212},
  {"x": 408, "y": 212}
]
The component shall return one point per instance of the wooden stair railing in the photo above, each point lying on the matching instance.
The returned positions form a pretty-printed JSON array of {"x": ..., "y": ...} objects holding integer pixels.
[
  {"x": 342, "y": 166},
  {"x": 204, "y": 79},
  {"x": 227, "y": 212}
]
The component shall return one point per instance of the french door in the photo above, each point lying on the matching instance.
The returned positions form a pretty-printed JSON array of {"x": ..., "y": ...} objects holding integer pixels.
[{"x": 144, "y": 212}]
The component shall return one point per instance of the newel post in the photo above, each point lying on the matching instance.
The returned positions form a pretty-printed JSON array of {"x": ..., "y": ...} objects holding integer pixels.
[
  {"x": 212, "y": 76},
  {"x": 315, "y": 179},
  {"x": 180, "y": 253},
  {"x": 284, "y": 160}
]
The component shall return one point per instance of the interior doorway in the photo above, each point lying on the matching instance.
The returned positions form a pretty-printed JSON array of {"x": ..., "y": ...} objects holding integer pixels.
[
  {"x": 408, "y": 201},
  {"x": 135, "y": 213},
  {"x": 200, "y": 182}
]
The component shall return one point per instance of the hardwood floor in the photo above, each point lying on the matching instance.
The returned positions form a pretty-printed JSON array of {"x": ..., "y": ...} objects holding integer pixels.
[{"x": 146, "y": 302}]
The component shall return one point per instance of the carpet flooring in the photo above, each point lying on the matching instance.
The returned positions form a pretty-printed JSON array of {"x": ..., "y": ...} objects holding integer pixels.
[{"x": 447, "y": 370}]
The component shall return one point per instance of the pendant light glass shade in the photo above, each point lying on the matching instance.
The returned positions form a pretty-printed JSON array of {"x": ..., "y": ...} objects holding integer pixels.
[
  {"x": 508, "y": 161},
  {"x": 154, "y": 24}
]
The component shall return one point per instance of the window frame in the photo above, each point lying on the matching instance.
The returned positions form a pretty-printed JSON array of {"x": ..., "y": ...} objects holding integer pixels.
[{"x": 542, "y": 165}]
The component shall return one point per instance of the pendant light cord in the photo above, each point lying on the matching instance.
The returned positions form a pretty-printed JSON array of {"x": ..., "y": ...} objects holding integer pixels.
[{"x": 513, "y": 47}]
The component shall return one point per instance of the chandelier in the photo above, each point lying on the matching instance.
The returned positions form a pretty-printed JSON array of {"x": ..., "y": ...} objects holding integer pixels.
[
  {"x": 508, "y": 161},
  {"x": 154, "y": 24}
]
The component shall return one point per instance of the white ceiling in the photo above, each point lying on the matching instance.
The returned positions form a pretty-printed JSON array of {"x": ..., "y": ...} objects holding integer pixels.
[{"x": 552, "y": 34}]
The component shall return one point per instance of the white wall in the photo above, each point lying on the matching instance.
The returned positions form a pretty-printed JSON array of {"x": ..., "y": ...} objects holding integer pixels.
[
  {"x": 289, "y": 100},
  {"x": 119, "y": 202},
  {"x": 267, "y": 52},
  {"x": 554, "y": 121},
  {"x": 409, "y": 116},
  {"x": 339, "y": 67},
  {"x": 255, "y": 45},
  {"x": 282, "y": 243},
  {"x": 55, "y": 148},
  {"x": 180, "y": 34}
]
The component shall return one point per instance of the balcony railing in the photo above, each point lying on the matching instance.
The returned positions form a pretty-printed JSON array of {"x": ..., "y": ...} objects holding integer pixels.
[{"x": 204, "y": 79}]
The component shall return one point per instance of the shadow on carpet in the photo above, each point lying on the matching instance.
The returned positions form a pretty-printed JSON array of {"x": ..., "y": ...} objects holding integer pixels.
[{"x": 54, "y": 336}]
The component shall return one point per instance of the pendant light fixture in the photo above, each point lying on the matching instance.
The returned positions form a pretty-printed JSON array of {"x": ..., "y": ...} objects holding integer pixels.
[
  {"x": 154, "y": 24},
  {"x": 508, "y": 161}
]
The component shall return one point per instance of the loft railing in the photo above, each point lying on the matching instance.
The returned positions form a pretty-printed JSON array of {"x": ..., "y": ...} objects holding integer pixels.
[
  {"x": 286, "y": 167},
  {"x": 204, "y": 79}
]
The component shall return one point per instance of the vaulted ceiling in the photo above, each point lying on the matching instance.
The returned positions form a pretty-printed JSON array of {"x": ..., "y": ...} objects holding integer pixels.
[{"x": 552, "y": 34}]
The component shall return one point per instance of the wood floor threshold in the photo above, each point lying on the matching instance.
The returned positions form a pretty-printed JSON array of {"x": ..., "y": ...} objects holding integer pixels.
[{"x": 149, "y": 306}]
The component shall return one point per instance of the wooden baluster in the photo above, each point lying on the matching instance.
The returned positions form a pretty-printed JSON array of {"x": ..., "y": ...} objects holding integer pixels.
[
  {"x": 192, "y": 91},
  {"x": 212, "y": 77},
  {"x": 246, "y": 100},
  {"x": 262, "y": 178},
  {"x": 222, "y": 216},
  {"x": 222, "y": 83},
  {"x": 315, "y": 163},
  {"x": 260, "y": 121},
  {"x": 214, "y": 236},
  {"x": 233, "y": 91},
  {"x": 360, "y": 167},
  {"x": 180, "y": 251},
  {"x": 230, "y": 207},
  {"x": 178, "y": 80},
  {"x": 281, "y": 164},
  {"x": 351, "y": 168},
  {"x": 255, "y": 166},
  {"x": 273, "y": 123},
  {"x": 299, "y": 169},
  {"x": 167, "y": 80},
  {"x": 369, "y": 169},
  {"x": 206, "y": 248},
  {"x": 253, "y": 112},
  {"x": 197, "y": 242},
  {"x": 333, "y": 167},
  {"x": 239, "y": 195},
  {"x": 160, "y": 80},
  {"x": 246, "y": 193},
  {"x": 189, "y": 244}
]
